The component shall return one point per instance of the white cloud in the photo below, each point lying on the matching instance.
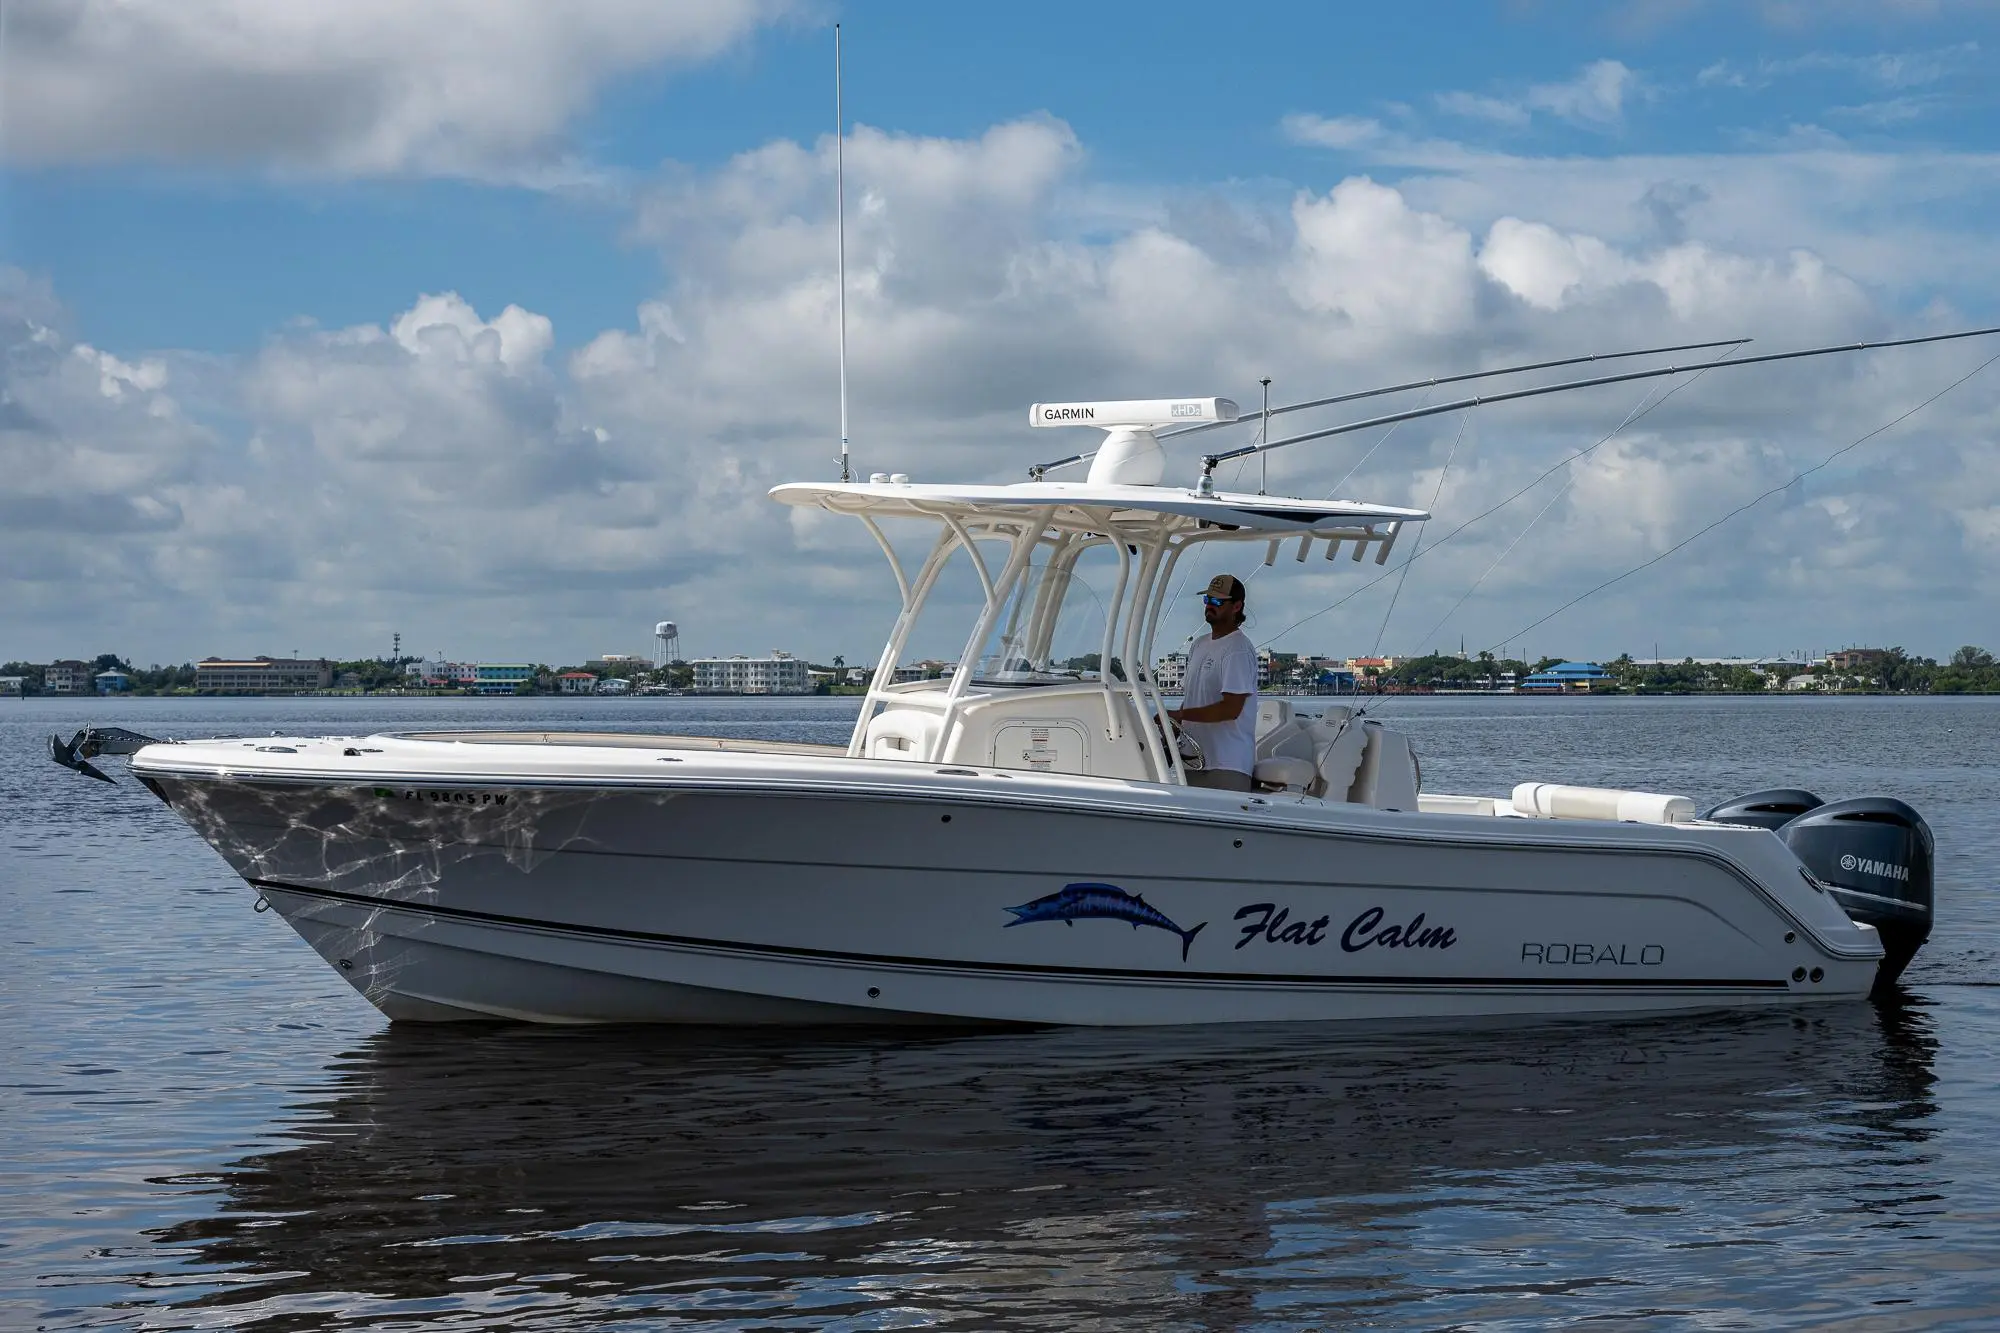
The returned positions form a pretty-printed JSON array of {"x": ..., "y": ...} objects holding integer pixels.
[
  {"x": 1596, "y": 96},
  {"x": 1594, "y": 99},
  {"x": 446, "y": 325},
  {"x": 445, "y": 472},
  {"x": 482, "y": 88},
  {"x": 115, "y": 378},
  {"x": 1365, "y": 256},
  {"x": 1906, "y": 220},
  {"x": 1475, "y": 106},
  {"x": 1645, "y": 17},
  {"x": 1890, "y": 111},
  {"x": 1543, "y": 266},
  {"x": 1891, "y": 70},
  {"x": 1332, "y": 132}
]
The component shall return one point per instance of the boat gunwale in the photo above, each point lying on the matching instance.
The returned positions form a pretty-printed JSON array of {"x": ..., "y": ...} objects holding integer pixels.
[{"x": 621, "y": 740}]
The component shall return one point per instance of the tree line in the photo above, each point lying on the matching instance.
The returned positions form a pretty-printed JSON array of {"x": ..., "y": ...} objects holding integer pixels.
[{"x": 1970, "y": 670}]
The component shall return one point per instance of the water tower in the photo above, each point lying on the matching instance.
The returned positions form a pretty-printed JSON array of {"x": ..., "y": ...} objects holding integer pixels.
[{"x": 669, "y": 636}]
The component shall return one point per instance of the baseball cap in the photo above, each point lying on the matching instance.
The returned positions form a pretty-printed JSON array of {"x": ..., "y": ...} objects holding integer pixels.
[{"x": 1224, "y": 585}]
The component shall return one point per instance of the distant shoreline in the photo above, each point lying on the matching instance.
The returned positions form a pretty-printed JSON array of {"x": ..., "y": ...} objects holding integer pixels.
[{"x": 613, "y": 700}]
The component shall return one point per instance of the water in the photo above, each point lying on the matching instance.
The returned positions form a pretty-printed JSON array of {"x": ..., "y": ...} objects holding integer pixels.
[{"x": 205, "y": 1128}]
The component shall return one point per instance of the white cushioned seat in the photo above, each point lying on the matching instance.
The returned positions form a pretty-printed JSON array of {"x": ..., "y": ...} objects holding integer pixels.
[
  {"x": 900, "y": 734},
  {"x": 1285, "y": 770},
  {"x": 1337, "y": 761},
  {"x": 1272, "y": 714},
  {"x": 1551, "y": 800},
  {"x": 1387, "y": 778}
]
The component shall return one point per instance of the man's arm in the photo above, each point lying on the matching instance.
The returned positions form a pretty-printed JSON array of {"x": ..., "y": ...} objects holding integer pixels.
[{"x": 1226, "y": 709}]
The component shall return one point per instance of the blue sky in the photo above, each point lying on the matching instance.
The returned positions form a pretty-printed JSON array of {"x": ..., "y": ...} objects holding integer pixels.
[
  {"x": 224, "y": 201},
  {"x": 1171, "y": 95}
]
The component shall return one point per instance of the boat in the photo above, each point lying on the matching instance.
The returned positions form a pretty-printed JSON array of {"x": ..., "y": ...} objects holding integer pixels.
[{"x": 1020, "y": 842}]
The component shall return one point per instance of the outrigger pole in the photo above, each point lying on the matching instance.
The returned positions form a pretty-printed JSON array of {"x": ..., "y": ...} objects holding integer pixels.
[
  {"x": 1433, "y": 382},
  {"x": 1038, "y": 471},
  {"x": 1209, "y": 462}
]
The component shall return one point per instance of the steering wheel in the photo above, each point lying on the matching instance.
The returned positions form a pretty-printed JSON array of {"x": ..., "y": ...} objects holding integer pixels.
[{"x": 1189, "y": 747}]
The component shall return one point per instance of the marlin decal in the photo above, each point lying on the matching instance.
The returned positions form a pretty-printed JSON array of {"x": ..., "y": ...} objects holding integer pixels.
[{"x": 1106, "y": 901}]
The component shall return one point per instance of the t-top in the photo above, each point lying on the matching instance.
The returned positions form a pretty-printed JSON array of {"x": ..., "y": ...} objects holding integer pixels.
[{"x": 1216, "y": 667}]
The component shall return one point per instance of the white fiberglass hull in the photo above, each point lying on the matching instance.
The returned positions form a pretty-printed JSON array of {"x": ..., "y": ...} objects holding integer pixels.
[{"x": 577, "y": 885}]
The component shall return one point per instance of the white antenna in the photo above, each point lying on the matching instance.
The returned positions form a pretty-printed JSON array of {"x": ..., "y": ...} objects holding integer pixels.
[{"x": 840, "y": 223}]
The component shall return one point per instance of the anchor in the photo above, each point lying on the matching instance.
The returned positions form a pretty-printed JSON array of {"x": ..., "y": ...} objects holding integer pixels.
[{"x": 77, "y": 752}]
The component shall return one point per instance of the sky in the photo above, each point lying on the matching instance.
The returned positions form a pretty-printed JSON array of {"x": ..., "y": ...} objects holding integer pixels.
[{"x": 492, "y": 322}]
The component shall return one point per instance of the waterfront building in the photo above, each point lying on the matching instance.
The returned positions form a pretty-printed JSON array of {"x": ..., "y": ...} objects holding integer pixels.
[
  {"x": 1761, "y": 665},
  {"x": 613, "y": 661},
  {"x": 446, "y": 675},
  {"x": 780, "y": 673},
  {"x": 262, "y": 675},
  {"x": 1170, "y": 672},
  {"x": 501, "y": 677},
  {"x": 614, "y": 685},
  {"x": 111, "y": 682},
  {"x": 13, "y": 684},
  {"x": 66, "y": 677},
  {"x": 1566, "y": 678},
  {"x": 577, "y": 682},
  {"x": 1856, "y": 659}
]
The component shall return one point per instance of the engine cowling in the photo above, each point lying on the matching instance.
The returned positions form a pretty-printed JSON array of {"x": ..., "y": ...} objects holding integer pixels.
[
  {"x": 1876, "y": 856},
  {"x": 1771, "y": 809}
]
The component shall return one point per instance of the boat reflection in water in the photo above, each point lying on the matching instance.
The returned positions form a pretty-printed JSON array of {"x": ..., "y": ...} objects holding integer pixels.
[{"x": 1091, "y": 1178}]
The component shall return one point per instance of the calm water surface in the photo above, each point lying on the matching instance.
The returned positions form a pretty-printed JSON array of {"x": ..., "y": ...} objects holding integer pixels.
[{"x": 205, "y": 1128}]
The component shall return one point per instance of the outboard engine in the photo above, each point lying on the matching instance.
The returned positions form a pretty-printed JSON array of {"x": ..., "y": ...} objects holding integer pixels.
[
  {"x": 1874, "y": 855},
  {"x": 1771, "y": 809}
]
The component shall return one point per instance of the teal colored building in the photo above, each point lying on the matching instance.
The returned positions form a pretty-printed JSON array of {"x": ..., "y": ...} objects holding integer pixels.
[
  {"x": 1566, "y": 678},
  {"x": 501, "y": 677}
]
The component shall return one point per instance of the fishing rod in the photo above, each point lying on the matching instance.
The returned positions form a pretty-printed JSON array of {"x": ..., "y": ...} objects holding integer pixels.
[
  {"x": 1437, "y": 380},
  {"x": 1210, "y": 461}
]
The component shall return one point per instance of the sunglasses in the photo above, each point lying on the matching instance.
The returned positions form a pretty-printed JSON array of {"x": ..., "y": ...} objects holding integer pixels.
[{"x": 1207, "y": 600}]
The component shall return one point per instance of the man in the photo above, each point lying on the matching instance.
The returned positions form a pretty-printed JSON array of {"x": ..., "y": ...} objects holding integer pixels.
[{"x": 1219, "y": 702}]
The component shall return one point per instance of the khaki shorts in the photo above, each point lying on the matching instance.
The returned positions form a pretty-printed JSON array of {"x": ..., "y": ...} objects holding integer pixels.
[{"x": 1221, "y": 779}]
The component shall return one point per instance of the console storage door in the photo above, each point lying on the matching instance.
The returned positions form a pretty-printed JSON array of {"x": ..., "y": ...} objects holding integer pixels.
[{"x": 1056, "y": 746}]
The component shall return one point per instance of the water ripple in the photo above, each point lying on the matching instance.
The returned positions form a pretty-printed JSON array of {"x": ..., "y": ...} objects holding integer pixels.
[{"x": 208, "y": 1130}]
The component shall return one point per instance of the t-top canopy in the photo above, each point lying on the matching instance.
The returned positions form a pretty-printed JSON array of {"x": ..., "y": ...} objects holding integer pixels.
[{"x": 1084, "y": 506}]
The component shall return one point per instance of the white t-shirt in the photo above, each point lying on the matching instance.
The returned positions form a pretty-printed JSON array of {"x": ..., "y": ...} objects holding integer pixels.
[{"x": 1216, "y": 667}]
